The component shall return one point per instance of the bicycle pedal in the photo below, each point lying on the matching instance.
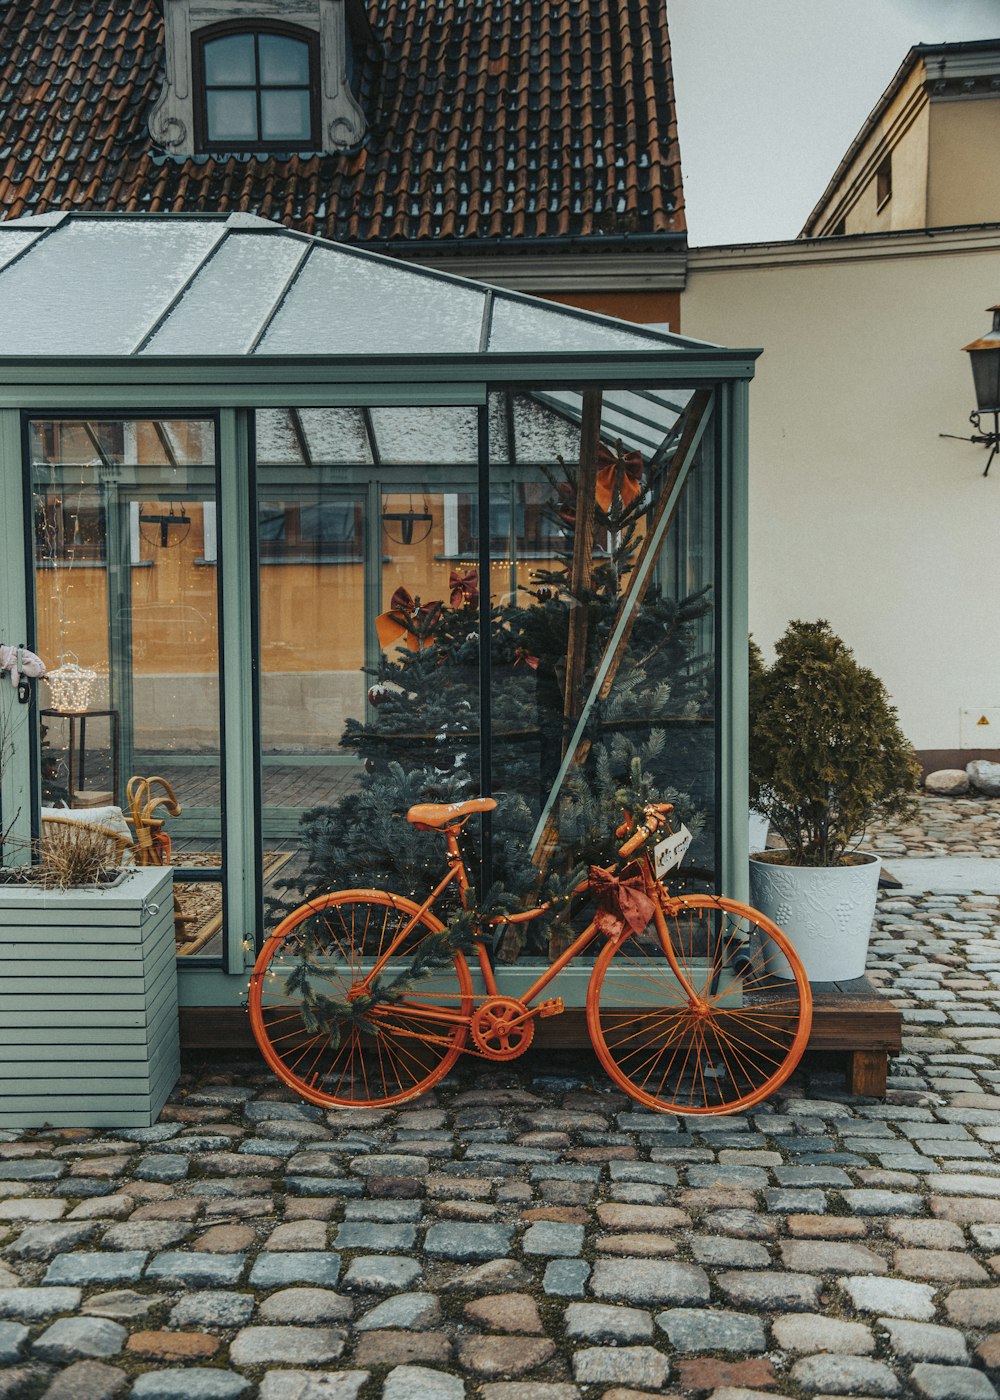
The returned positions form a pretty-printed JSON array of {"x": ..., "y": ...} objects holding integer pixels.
[{"x": 552, "y": 1007}]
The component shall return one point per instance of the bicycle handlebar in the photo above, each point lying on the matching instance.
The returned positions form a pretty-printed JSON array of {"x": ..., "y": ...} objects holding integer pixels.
[{"x": 655, "y": 816}]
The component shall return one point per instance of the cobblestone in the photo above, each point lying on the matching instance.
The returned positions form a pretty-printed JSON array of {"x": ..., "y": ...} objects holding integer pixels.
[
  {"x": 696, "y": 1329},
  {"x": 527, "y": 1233},
  {"x": 845, "y": 1375},
  {"x": 75, "y": 1338}
]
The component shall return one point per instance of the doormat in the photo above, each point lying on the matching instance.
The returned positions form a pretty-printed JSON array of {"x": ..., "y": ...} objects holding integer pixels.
[{"x": 200, "y": 904}]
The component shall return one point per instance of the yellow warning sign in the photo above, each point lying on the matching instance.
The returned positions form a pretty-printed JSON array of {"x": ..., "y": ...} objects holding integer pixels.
[{"x": 982, "y": 720}]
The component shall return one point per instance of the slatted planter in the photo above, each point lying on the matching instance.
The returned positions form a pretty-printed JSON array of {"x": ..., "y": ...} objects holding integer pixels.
[{"x": 88, "y": 1004}]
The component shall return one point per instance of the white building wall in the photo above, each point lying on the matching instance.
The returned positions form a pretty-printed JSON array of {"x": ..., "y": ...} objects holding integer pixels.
[{"x": 859, "y": 511}]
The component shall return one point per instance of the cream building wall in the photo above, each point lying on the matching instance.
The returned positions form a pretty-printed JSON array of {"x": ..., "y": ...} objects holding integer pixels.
[
  {"x": 964, "y": 162},
  {"x": 859, "y": 511}
]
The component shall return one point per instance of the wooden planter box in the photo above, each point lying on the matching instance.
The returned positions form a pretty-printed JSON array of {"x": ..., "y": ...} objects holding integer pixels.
[{"x": 88, "y": 1004}]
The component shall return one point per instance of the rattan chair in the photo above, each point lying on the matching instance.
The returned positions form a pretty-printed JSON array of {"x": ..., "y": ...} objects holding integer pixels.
[
  {"x": 152, "y": 843},
  {"x": 58, "y": 834}
]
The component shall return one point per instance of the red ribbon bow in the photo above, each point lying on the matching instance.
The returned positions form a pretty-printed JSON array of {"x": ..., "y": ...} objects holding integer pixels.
[
  {"x": 408, "y": 621},
  {"x": 522, "y": 656},
  {"x": 617, "y": 468},
  {"x": 464, "y": 588},
  {"x": 620, "y": 903}
]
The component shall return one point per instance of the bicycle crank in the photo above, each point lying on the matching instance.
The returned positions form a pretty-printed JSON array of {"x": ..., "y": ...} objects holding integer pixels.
[{"x": 502, "y": 1028}]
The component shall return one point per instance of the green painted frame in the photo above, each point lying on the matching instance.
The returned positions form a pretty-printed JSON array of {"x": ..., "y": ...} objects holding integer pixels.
[{"x": 233, "y": 387}]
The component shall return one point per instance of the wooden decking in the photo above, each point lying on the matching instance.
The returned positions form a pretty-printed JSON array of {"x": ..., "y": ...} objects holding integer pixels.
[
  {"x": 848, "y": 1017},
  {"x": 198, "y": 784}
]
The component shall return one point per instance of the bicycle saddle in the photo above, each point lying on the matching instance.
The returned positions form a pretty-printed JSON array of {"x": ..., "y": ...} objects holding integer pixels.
[{"x": 435, "y": 816}]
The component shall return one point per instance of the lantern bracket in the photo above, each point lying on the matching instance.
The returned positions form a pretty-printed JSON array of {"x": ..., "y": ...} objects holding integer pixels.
[{"x": 985, "y": 439}]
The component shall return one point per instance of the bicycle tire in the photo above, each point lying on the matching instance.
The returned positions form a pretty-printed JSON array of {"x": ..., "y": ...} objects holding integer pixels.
[
  {"x": 730, "y": 1053},
  {"x": 387, "y": 1057}
]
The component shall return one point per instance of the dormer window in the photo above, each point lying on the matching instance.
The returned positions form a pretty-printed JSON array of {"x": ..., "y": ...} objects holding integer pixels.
[
  {"x": 241, "y": 82},
  {"x": 258, "y": 89}
]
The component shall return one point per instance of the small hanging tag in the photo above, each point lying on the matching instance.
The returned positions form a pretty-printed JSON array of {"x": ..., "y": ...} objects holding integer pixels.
[{"x": 669, "y": 852}]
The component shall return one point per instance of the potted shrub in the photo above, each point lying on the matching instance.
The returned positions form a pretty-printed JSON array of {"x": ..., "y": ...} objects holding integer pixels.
[{"x": 827, "y": 758}]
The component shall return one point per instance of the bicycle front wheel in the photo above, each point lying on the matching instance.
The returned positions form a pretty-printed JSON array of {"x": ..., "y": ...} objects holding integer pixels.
[
  {"x": 727, "y": 1047},
  {"x": 385, "y": 1055}
]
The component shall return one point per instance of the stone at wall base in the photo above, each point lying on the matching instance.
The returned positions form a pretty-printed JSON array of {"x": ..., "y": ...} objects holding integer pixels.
[
  {"x": 984, "y": 776},
  {"x": 947, "y": 782}
]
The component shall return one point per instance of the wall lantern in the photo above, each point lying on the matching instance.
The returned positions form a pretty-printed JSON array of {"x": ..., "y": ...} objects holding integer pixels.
[{"x": 985, "y": 357}]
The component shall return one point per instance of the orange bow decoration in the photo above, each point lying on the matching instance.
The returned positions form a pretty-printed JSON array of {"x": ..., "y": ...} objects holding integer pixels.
[
  {"x": 524, "y": 657},
  {"x": 566, "y": 503},
  {"x": 464, "y": 588},
  {"x": 620, "y": 903},
  {"x": 408, "y": 621},
  {"x": 617, "y": 468}
]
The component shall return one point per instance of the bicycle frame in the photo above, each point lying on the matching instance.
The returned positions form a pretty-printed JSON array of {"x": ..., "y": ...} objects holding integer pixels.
[{"x": 457, "y": 873}]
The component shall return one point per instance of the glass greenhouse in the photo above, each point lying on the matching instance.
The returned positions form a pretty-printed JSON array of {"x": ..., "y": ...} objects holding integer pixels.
[{"x": 317, "y": 535}]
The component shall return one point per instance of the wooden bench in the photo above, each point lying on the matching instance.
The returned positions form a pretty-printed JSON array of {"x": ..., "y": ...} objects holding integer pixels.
[
  {"x": 848, "y": 1017},
  {"x": 853, "y": 1018}
]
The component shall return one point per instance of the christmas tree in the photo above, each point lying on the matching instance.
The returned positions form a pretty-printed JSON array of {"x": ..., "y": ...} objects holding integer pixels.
[{"x": 647, "y": 734}]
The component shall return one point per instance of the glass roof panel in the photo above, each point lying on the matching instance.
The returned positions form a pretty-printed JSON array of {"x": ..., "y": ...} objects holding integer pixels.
[
  {"x": 521, "y": 325},
  {"x": 499, "y": 436},
  {"x": 15, "y": 240},
  {"x": 336, "y": 436},
  {"x": 276, "y": 443},
  {"x": 541, "y": 435},
  {"x": 228, "y": 302},
  {"x": 97, "y": 286},
  {"x": 426, "y": 436},
  {"x": 642, "y": 420},
  {"x": 190, "y": 442},
  {"x": 117, "y": 442},
  {"x": 344, "y": 304}
]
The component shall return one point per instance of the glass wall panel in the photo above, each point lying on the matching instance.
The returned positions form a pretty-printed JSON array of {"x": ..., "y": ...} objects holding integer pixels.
[
  {"x": 369, "y": 623},
  {"x": 603, "y": 661},
  {"x": 126, "y": 599}
]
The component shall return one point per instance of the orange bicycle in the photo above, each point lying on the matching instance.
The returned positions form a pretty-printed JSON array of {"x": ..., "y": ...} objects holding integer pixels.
[{"x": 696, "y": 1004}]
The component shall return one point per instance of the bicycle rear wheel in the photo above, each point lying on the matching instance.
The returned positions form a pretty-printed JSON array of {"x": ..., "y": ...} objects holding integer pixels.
[
  {"x": 387, "y": 1055},
  {"x": 732, "y": 1045}
]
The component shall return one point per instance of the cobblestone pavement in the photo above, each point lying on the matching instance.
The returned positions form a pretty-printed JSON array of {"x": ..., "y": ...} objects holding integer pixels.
[
  {"x": 943, "y": 826},
  {"x": 527, "y": 1234}
]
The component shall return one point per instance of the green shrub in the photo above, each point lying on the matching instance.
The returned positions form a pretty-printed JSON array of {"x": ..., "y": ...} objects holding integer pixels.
[{"x": 827, "y": 755}]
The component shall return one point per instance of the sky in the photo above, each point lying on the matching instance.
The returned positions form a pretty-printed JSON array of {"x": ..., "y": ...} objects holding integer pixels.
[{"x": 770, "y": 94}]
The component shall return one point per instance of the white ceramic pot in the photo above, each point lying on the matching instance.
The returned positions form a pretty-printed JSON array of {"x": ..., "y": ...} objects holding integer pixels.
[{"x": 826, "y": 912}]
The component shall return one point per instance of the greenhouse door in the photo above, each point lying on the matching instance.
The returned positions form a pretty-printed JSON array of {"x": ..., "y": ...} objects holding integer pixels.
[{"x": 127, "y": 609}]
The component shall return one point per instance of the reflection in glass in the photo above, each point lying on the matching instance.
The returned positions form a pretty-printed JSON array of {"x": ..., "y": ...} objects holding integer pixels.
[
  {"x": 124, "y": 545},
  {"x": 602, "y": 688}
]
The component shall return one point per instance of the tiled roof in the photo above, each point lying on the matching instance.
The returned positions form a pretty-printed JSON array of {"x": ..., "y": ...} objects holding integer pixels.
[{"x": 489, "y": 120}]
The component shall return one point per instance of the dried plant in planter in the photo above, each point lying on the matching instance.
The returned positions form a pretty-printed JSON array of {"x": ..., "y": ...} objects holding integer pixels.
[
  {"x": 73, "y": 854},
  {"x": 827, "y": 755}
]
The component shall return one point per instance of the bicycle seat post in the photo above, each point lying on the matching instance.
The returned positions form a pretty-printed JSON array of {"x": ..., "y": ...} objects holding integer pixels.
[{"x": 455, "y": 859}]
